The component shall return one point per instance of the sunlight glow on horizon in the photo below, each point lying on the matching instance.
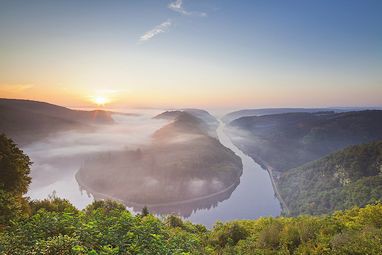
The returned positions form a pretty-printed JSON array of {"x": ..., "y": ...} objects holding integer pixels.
[
  {"x": 244, "y": 54},
  {"x": 100, "y": 100}
]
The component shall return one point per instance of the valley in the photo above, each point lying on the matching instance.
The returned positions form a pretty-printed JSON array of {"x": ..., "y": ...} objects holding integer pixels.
[
  {"x": 189, "y": 163},
  {"x": 302, "y": 153}
]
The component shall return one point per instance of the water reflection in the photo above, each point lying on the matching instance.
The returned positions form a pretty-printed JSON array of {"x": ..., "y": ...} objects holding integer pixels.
[{"x": 182, "y": 208}]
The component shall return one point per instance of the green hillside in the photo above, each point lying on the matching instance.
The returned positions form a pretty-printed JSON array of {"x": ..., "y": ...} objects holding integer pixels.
[{"x": 339, "y": 181}]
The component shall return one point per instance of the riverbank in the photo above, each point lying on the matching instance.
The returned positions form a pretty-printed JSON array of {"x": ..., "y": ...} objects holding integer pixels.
[{"x": 272, "y": 176}]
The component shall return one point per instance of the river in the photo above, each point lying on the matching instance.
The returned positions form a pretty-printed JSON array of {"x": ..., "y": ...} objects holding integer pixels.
[
  {"x": 57, "y": 160},
  {"x": 254, "y": 197}
]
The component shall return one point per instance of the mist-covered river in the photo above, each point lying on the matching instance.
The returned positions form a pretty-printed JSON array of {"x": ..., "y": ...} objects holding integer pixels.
[{"x": 57, "y": 159}]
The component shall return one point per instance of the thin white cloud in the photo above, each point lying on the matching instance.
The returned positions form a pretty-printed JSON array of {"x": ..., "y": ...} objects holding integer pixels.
[
  {"x": 177, "y": 6},
  {"x": 161, "y": 28}
]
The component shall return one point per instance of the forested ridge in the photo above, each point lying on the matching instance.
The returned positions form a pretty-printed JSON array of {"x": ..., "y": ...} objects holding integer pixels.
[
  {"x": 54, "y": 226},
  {"x": 289, "y": 140},
  {"x": 349, "y": 177},
  {"x": 43, "y": 119}
]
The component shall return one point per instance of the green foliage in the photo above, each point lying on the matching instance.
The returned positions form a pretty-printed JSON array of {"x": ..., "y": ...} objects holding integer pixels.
[
  {"x": 107, "y": 228},
  {"x": 14, "y": 165},
  {"x": 105, "y": 206},
  {"x": 14, "y": 180},
  {"x": 52, "y": 204},
  {"x": 355, "y": 231},
  {"x": 174, "y": 221},
  {"x": 228, "y": 234},
  {"x": 351, "y": 177},
  {"x": 57, "y": 245},
  {"x": 104, "y": 227}
]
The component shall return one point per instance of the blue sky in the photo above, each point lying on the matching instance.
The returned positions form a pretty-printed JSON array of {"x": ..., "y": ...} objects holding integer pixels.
[{"x": 193, "y": 53}]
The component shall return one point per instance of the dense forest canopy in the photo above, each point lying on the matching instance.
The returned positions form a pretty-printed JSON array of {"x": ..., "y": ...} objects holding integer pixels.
[
  {"x": 105, "y": 227},
  {"x": 339, "y": 181},
  {"x": 14, "y": 180}
]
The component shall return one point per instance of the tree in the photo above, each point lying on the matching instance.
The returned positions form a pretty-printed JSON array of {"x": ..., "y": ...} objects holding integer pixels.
[
  {"x": 105, "y": 205},
  {"x": 52, "y": 204},
  {"x": 14, "y": 167},
  {"x": 14, "y": 180},
  {"x": 145, "y": 211},
  {"x": 174, "y": 221}
]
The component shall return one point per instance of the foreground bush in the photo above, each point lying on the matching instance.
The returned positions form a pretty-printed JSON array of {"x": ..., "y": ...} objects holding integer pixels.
[{"x": 106, "y": 227}]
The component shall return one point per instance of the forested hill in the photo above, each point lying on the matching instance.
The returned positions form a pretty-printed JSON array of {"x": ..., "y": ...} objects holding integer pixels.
[
  {"x": 27, "y": 121},
  {"x": 183, "y": 122},
  {"x": 268, "y": 111},
  {"x": 289, "y": 140},
  {"x": 339, "y": 181},
  {"x": 203, "y": 117},
  {"x": 181, "y": 163}
]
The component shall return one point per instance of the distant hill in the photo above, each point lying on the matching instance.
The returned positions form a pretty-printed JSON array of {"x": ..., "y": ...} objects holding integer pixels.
[
  {"x": 210, "y": 122},
  {"x": 350, "y": 177},
  {"x": 268, "y": 111},
  {"x": 27, "y": 121},
  {"x": 285, "y": 141},
  {"x": 184, "y": 122},
  {"x": 204, "y": 115},
  {"x": 168, "y": 115}
]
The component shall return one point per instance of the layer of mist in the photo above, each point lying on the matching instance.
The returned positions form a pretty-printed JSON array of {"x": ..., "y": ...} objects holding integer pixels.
[{"x": 58, "y": 157}]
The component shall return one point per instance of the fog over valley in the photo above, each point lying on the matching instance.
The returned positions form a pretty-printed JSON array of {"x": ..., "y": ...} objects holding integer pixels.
[
  {"x": 189, "y": 163},
  {"x": 57, "y": 157},
  {"x": 177, "y": 161}
]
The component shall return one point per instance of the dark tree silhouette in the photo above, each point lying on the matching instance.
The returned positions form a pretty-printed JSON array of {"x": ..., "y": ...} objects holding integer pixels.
[
  {"x": 14, "y": 180},
  {"x": 145, "y": 211}
]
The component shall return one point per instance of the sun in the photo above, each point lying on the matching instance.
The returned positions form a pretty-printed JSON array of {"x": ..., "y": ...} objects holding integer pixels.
[{"x": 100, "y": 100}]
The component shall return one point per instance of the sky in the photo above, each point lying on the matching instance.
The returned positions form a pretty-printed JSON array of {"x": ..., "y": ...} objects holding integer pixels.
[{"x": 192, "y": 53}]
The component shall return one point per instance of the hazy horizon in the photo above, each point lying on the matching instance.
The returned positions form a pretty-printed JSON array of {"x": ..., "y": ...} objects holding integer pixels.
[{"x": 216, "y": 111}]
